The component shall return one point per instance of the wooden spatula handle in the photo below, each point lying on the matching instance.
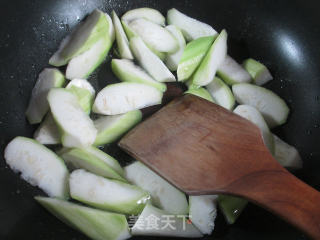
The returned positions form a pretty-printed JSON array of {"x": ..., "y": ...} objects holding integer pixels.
[{"x": 285, "y": 195}]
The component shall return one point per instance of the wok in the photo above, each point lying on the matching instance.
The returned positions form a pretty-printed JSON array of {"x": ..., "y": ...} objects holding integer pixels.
[{"x": 282, "y": 34}]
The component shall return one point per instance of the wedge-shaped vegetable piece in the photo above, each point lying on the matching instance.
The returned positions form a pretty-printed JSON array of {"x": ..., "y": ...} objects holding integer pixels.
[
  {"x": 167, "y": 225},
  {"x": 259, "y": 72},
  {"x": 192, "y": 56},
  {"x": 286, "y": 155},
  {"x": 254, "y": 116},
  {"x": 150, "y": 14},
  {"x": 274, "y": 109},
  {"x": 148, "y": 60},
  {"x": 84, "y": 92},
  {"x": 48, "y": 132},
  {"x": 232, "y": 72},
  {"x": 95, "y": 224},
  {"x": 81, "y": 83},
  {"x": 201, "y": 92},
  {"x": 38, "y": 165},
  {"x": 131, "y": 34},
  {"x": 203, "y": 212},
  {"x": 75, "y": 125},
  {"x": 231, "y": 207},
  {"x": 163, "y": 194},
  {"x": 221, "y": 93},
  {"x": 112, "y": 162},
  {"x": 127, "y": 71},
  {"x": 121, "y": 38},
  {"x": 107, "y": 194},
  {"x": 38, "y": 104},
  {"x": 84, "y": 64},
  {"x": 111, "y": 128},
  {"x": 123, "y": 97},
  {"x": 93, "y": 160},
  {"x": 212, "y": 61},
  {"x": 172, "y": 59},
  {"x": 154, "y": 35},
  {"x": 81, "y": 39},
  {"x": 190, "y": 27}
]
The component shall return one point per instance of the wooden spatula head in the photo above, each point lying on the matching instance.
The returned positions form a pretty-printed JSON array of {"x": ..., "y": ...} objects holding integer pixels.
[
  {"x": 202, "y": 148},
  {"x": 199, "y": 146}
]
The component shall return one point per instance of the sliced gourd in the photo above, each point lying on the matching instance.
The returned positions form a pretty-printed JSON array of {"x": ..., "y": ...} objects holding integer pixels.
[
  {"x": 221, "y": 93},
  {"x": 81, "y": 39},
  {"x": 123, "y": 97},
  {"x": 111, "y": 128},
  {"x": 93, "y": 160},
  {"x": 127, "y": 71},
  {"x": 113, "y": 163},
  {"x": 38, "y": 165},
  {"x": 47, "y": 132},
  {"x": 273, "y": 108},
  {"x": 254, "y": 116},
  {"x": 156, "y": 222},
  {"x": 107, "y": 194},
  {"x": 201, "y": 92},
  {"x": 154, "y": 35},
  {"x": 95, "y": 224},
  {"x": 190, "y": 27},
  {"x": 212, "y": 61},
  {"x": 38, "y": 104},
  {"x": 77, "y": 129},
  {"x": 286, "y": 155},
  {"x": 259, "y": 72},
  {"x": 232, "y": 72},
  {"x": 81, "y": 83},
  {"x": 231, "y": 207},
  {"x": 172, "y": 59},
  {"x": 84, "y": 92},
  {"x": 131, "y": 33},
  {"x": 163, "y": 194},
  {"x": 150, "y": 14},
  {"x": 192, "y": 56},
  {"x": 203, "y": 212},
  {"x": 150, "y": 62},
  {"x": 121, "y": 38},
  {"x": 83, "y": 65}
]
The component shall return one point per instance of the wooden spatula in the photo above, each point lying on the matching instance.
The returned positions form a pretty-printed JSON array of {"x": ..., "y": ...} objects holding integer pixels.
[{"x": 202, "y": 148}]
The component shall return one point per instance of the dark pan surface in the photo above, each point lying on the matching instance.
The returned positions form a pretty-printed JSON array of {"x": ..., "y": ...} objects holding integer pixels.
[{"x": 283, "y": 34}]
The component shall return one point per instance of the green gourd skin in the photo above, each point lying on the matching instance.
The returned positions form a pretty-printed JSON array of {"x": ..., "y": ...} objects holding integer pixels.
[
  {"x": 94, "y": 223},
  {"x": 95, "y": 26},
  {"x": 192, "y": 56}
]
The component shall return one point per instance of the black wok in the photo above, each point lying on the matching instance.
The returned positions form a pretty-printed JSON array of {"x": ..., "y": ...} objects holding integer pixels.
[{"x": 282, "y": 34}]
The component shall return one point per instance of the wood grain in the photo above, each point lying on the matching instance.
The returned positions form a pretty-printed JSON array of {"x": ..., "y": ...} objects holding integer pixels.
[{"x": 202, "y": 148}]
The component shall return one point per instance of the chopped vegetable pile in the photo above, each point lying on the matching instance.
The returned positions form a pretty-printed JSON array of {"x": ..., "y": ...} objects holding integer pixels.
[{"x": 134, "y": 200}]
